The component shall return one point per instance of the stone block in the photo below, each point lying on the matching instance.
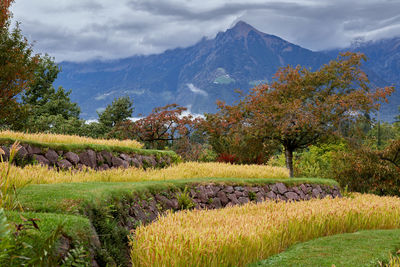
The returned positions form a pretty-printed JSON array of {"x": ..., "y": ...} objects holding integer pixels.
[
  {"x": 282, "y": 189},
  {"x": 72, "y": 157},
  {"x": 52, "y": 156},
  {"x": 64, "y": 164},
  {"x": 42, "y": 160}
]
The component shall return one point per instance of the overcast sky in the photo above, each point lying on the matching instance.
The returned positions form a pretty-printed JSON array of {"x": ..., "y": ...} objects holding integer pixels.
[{"x": 78, "y": 30}]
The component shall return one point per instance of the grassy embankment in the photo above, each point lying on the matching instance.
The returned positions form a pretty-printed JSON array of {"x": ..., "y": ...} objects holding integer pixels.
[{"x": 241, "y": 235}]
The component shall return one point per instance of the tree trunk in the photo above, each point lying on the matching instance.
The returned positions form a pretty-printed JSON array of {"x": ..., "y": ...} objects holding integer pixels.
[{"x": 289, "y": 160}]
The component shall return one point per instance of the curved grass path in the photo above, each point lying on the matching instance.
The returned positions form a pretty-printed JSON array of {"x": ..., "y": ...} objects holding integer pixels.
[{"x": 364, "y": 248}]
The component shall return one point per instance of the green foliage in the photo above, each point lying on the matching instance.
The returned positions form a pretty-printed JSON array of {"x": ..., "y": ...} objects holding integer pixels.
[
  {"x": 50, "y": 110},
  {"x": 5, "y": 238},
  {"x": 317, "y": 161},
  {"x": 380, "y": 135},
  {"x": 43, "y": 255},
  {"x": 112, "y": 235},
  {"x": 252, "y": 196},
  {"x": 185, "y": 202},
  {"x": 207, "y": 154},
  {"x": 94, "y": 130},
  {"x": 78, "y": 256},
  {"x": 22, "y": 248},
  {"x": 120, "y": 110},
  {"x": 277, "y": 160}
]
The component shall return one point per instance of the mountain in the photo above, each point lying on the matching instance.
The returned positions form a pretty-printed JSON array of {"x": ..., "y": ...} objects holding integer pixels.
[{"x": 195, "y": 76}]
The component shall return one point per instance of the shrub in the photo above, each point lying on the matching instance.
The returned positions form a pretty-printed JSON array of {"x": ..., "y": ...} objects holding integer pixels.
[
  {"x": 366, "y": 170},
  {"x": 317, "y": 161},
  {"x": 185, "y": 202}
]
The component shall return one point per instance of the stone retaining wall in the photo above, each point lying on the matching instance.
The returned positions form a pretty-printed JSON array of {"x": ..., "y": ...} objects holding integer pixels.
[
  {"x": 103, "y": 160},
  {"x": 215, "y": 196}
]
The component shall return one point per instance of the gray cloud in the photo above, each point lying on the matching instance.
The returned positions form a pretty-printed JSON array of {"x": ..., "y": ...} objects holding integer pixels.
[{"x": 87, "y": 29}]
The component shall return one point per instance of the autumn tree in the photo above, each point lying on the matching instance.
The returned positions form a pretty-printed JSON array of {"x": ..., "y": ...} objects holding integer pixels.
[
  {"x": 17, "y": 65},
  {"x": 232, "y": 138},
  {"x": 303, "y": 107},
  {"x": 161, "y": 127}
]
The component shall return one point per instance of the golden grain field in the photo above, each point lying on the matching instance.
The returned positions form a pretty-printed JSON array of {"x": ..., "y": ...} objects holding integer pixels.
[
  {"x": 35, "y": 174},
  {"x": 240, "y": 235},
  {"x": 67, "y": 139}
]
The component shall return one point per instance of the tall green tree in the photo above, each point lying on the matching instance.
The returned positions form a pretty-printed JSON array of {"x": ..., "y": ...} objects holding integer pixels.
[
  {"x": 50, "y": 110},
  {"x": 17, "y": 66},
  {"x": 120, "y": 110}
]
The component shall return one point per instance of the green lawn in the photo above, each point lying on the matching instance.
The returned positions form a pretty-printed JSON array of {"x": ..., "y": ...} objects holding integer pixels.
[
  {"x": 75, "y": 227},
  {"x": 364, "y": 248}
]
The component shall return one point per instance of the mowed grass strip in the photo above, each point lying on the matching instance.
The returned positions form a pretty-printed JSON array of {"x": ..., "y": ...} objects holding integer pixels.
[
  {"x": 363, "y": 248},
  {"x": 72, "y": 197},
  {"x": 65, "y": 139},
  {"x": 238, "y": 236},
  {"x": 35, "y": 174}
]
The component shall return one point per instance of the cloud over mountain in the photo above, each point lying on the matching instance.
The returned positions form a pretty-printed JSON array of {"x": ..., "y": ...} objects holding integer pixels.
[{"x": 88, "y": 29}]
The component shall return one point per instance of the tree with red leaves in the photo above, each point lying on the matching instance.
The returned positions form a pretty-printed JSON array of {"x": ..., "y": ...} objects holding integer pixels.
[
  {"x": 160, "y": 128},
  {"x": 303, "y": 107},
  {"x": 17, "y": 65}
]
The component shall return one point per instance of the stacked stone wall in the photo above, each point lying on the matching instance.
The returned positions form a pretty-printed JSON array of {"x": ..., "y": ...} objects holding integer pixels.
[{"x": 102, "y": 160}]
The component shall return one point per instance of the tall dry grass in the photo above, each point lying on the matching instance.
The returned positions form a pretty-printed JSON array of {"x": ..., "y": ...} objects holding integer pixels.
[
  {"x": 36, "y": 174},
  {"x": 8, "y": 193},
  {"x": 67, "y": 139},
  {"x": 237, "y": 236}
]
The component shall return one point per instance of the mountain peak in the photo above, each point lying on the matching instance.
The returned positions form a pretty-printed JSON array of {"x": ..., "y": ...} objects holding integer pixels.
[
  {"x": 241, "y": 29},
  {"x": 242, "y": 25}
]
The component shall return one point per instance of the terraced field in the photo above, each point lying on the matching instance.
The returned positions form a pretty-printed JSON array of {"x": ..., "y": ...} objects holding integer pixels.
[{"x": 187, "y": 214}]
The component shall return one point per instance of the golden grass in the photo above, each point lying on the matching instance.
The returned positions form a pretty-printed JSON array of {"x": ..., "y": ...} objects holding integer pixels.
[
  {"x": 394, "y": 261},
  {"x": 67, "y": 139},
  {"x": 240, "y": 235},
  {"x": 36, "y": 174}
]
